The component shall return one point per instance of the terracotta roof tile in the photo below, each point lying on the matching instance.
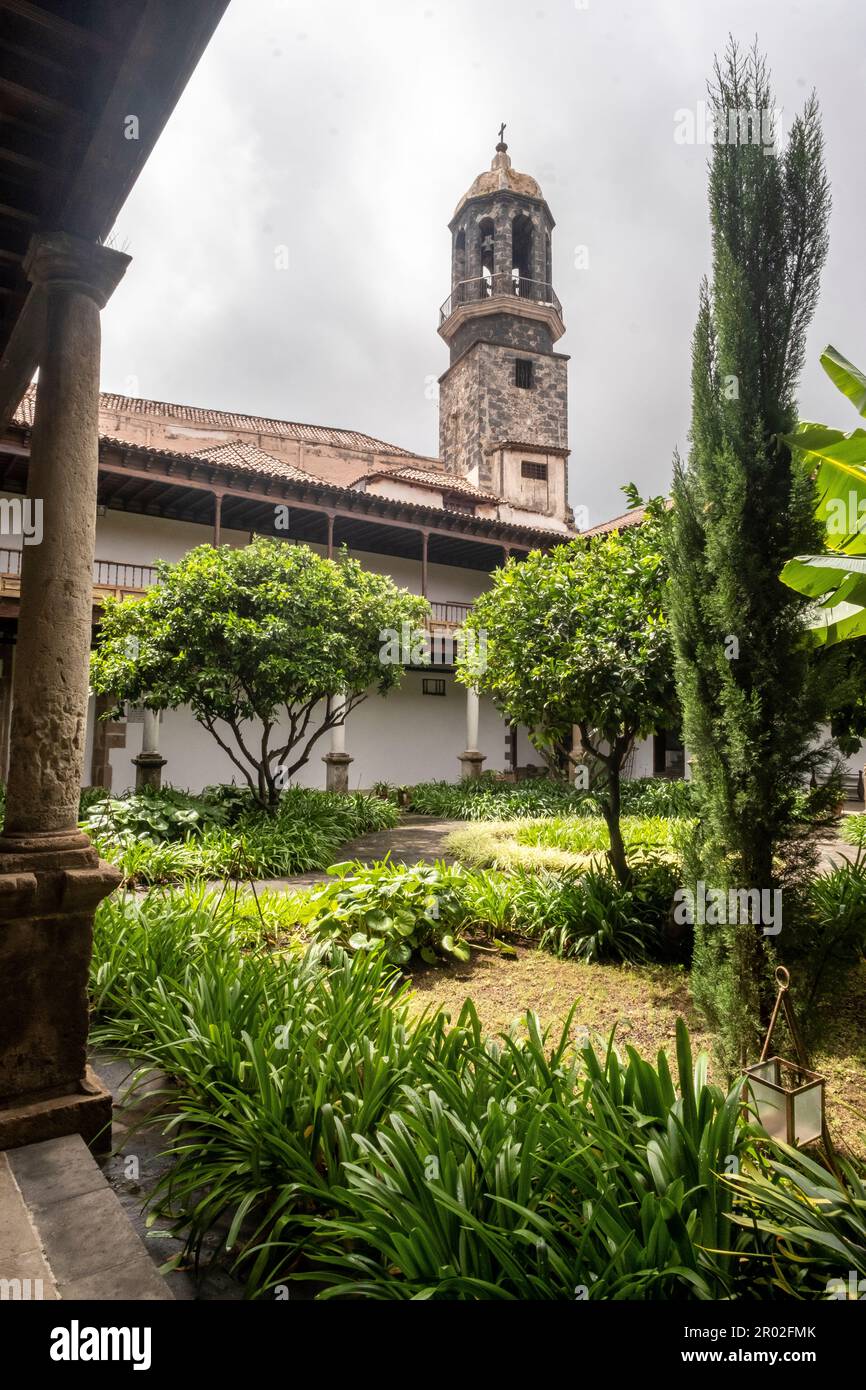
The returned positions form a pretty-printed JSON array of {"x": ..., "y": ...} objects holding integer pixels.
[
  {"x": 250, "y": 458},
  {"x": 447, "y": 482},
  {"x": 261, "y": 424},
  {"x": 110, "y": 403},
  {"x": 618, "y": 523}
]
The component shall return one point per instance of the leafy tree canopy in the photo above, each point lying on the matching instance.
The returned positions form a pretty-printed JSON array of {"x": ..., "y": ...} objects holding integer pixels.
[
  {"x": 577, "y": 637},
  {"x": 268, "y": 634}
]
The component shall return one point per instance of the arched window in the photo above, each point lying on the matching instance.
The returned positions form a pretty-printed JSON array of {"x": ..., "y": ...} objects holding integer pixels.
[
  {"x": 460, "y": 257},
  {"x": 486, "y": 243},
  {"x": 521, "y": 253}
]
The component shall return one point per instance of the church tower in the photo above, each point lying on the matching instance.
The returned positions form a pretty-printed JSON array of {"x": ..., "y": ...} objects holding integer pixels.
[{"x": 503, "y": 407}]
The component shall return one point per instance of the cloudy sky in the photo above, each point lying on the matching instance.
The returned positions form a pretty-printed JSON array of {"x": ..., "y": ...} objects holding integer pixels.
[{"x": 289, "y": 239}]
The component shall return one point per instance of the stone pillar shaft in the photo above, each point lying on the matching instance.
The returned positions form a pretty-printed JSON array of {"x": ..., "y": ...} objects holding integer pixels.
[
  {"x": 52, "y": 659},
  {"x": 51, "y": 879},
  {"x": 472, "y": 712},
  {"x": 471, "y": 760},
  {"x": 149, "y": 763}
]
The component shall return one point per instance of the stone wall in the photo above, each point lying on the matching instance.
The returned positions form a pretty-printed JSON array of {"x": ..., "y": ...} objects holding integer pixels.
[
  {"x": 510, "y": 330},
  {"x": 480, "y": 405}
]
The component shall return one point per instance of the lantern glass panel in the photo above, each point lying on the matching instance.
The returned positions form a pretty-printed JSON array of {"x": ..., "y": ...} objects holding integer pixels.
[
  {"x": 808, "y": 1112},
  {"x": 770, "y": 1100}
]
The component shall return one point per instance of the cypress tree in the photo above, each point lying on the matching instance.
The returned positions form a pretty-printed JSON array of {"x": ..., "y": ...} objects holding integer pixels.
[{"x": 751, "y": 698}]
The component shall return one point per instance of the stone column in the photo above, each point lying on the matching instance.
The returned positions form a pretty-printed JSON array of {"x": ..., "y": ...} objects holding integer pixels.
[
  {"x": 338, "y": 760},
  {"x": 51, "y": 878},
  {"x": 149, "y": 763},
  {"x": 471, "y": 761}
]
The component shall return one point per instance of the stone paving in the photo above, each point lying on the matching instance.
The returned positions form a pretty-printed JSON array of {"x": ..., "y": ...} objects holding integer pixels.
[
  {"x": 63, "y": 1232},
  {"x": 415, "y": 838}
]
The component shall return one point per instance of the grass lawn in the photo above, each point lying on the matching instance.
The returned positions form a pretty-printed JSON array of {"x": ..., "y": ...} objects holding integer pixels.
[{"x": 558, "y": 842}]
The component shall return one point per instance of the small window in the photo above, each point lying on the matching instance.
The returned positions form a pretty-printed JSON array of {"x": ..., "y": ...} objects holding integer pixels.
[
  {"x": 429, "y": 686},
  {"x": 523, "y": 373},
  {"x": 533, "y": 470},
  {"x": 455, "y": 503}
]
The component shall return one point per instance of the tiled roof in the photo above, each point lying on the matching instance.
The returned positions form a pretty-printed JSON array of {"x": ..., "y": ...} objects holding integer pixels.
[
  {"x": 446, "y": 482},
  {"x": 250, "y": 458},
  {"x": 617, "y": 523},
  {"x": 112, "y": 404},
  {"x": 260, "y": 424},
  {"x": 531, "y": 447}
]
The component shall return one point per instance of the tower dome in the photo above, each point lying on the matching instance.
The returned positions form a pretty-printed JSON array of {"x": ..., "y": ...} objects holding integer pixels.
[{"x": 501, "y": 177}]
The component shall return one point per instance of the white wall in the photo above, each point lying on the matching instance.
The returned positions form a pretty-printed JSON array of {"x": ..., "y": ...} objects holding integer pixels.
[
  {"x": 139, "y": 540},
  {"x": 402, "y": 738}
]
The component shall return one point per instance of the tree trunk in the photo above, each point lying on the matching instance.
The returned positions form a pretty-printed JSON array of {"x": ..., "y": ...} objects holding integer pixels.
[{"x": 610, "y": 806}]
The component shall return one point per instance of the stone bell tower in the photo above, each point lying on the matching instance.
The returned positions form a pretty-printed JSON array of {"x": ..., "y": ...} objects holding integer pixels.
[{"x": 503, "y": 407}]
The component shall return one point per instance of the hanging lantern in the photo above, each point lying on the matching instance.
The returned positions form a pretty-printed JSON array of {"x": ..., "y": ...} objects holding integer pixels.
[
  {"x": 789, "y": 1100},
  {"x": 787, "y": 1096}
]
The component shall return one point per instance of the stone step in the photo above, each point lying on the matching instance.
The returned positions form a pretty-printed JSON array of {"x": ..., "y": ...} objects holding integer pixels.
[{"x": 63, "y": 1229}]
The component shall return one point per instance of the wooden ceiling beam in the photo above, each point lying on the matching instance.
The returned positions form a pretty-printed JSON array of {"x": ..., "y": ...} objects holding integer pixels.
[
  {"x": 41, "y": 101},
  {"x": 65, "y": 29}
]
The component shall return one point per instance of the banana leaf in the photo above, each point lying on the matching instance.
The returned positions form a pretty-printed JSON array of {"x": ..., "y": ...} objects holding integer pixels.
[{"x": 836, "y": 579}]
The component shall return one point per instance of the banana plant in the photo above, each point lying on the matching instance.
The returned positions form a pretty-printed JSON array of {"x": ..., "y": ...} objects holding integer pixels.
[{"x": 836, "y": 579}]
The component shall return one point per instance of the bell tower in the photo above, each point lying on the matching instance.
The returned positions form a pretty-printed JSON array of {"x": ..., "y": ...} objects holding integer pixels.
[{"x": 503, "y": 407}]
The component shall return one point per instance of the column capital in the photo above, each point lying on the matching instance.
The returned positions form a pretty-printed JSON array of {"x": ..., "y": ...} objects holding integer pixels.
[{"x": 57, "y": 258}]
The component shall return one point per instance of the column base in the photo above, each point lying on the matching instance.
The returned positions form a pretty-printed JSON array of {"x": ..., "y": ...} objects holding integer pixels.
[
  {"x": 148, "y": 771},
  {"x": 337, "y": 771},
  {"x": 86, "y": 1111},
  {"x": 471, "y": 765},
  {"x": 50, "y": 885}
]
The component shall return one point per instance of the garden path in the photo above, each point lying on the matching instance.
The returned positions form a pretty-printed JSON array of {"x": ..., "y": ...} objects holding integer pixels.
[{"x": 415, "y": 838}]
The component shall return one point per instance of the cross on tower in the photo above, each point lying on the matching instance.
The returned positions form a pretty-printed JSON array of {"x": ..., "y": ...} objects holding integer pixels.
[{"x": 502, "y": 133}]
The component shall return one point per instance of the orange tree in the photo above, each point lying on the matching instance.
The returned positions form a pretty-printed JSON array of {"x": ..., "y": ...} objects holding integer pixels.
[{"x": 576, "y": 637}]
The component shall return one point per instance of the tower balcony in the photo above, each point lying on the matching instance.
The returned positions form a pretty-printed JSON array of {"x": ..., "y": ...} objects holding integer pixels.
[
  {"x": 506, "y": 288},
  {"x": 505, "y": 294}
]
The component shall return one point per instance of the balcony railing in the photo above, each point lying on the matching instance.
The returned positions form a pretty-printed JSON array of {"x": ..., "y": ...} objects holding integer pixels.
[
  {"x": 494, "y": 286},
  {"x": 114, "y": 574},
  {"x": 119, "y": 578},
  {"x": 448, "y": 614},
  {"x": 109, "y": 576}
]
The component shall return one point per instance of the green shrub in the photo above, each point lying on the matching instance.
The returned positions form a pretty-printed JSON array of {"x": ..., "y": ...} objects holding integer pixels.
[
  {"x": 560, "y": 842},
  {"x": 825, "y": 935},
  {"x": 590, "y": 916},
  {"x": 319, "y": 1132},
  {"x": 817, "y": 1222},
  {"x": 168, "y": 836},
  {"x": 487, "y": 799},
  {"x": 387, "y": 907},
  {"x": 142, "y": 941},
  {"x": 853, "y": 829},
  {"x": 162, "y": 816}
]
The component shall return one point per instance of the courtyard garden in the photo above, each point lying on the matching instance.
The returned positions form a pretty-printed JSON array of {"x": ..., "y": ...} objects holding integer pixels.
[
  {"x": 482, "y": 1077},
  {"x": 514, "y": 1066}
]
